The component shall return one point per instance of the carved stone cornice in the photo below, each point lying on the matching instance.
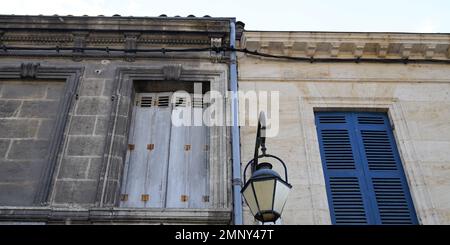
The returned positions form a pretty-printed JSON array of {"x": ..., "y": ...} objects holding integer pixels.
[
  {"x": 95, "y": 39},
  {"x": 349, "y": 45},
  {"x": 112, "y": 32},
  {"x": 115, "y": 23}
]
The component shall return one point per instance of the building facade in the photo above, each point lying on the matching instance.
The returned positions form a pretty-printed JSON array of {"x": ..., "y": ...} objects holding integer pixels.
[
  {"x": 77, "y": 97},
  {"x": 363, "y": 124},
  {"x": 87, "y": 131}
]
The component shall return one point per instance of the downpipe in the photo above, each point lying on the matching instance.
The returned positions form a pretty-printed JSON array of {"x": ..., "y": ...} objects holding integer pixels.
[{"x": 235, "y": 138}]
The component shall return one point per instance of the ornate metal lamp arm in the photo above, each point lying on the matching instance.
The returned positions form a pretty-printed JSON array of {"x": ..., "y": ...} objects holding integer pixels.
[{"x": 260, "y": 139}]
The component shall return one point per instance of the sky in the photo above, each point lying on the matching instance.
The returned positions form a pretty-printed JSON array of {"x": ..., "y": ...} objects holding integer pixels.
[{"x": 430, "y": 16}]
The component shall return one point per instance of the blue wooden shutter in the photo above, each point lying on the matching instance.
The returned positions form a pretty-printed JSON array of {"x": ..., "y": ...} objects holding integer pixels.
[
  {"x": 363, "y": 173},
  {"x": 344, "y": 177},
  {"x": 383, "y": 169}
]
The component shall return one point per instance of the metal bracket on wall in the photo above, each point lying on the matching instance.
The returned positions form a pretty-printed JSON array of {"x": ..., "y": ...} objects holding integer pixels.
[
  {"x": 187, "y": 147},
  {"x": 130, "y": 147},
  {"x": 150, "y": 147}
]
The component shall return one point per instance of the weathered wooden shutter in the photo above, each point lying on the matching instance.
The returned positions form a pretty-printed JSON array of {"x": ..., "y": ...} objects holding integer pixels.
[
  {"x": 158, "y": 151},
  {"x": 188, "y": 162},
  {"x": 198, "y": 166},
  {"x": 147, "y": 155},
  {"x": 166, "y": 165},
  {"x": 363, "y": 173}
]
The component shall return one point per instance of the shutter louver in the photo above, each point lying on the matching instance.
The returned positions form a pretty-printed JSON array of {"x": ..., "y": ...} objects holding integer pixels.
[
  {"x": 347, "y": 200},
  {"x": 378, "y": 150},
  {"x": 370, "y": 120},
  {"x": 197, "y": 102},
  {"x": 392, "y": 202},
  {"x": 332, "y": 119},
  {"x": 146, "y": 101},
  {"x": 163, "y": 101},
  {"x": 337, "y": 149}
]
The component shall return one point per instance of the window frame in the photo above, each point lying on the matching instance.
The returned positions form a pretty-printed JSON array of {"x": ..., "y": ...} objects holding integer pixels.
[
  {"x": 117, "y": 136},
  {"x": 363, "y": 172}
]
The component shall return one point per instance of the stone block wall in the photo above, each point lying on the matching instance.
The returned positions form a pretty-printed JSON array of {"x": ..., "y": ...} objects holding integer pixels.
[
  {"x": 416, "y": 103},
  {"x": 27, "y": 117},
  {"x": 80, "y": 162}
]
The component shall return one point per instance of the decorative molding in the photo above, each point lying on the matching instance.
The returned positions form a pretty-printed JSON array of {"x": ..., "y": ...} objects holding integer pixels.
[
  {"x": 349, "y": 45},
  {"x": 216, "y": 42},
  {"x": 172, "y": 72},
  {"x": 359, "y": 49},
  {"x": 99, "y": 40},
  {"x": 429, "y": 51},
  {"x": 334, "y": 52},
  {"x": 29, "y": 70},
  {"x": 114, "y": 215},
  {"x": 79, "y": 43},
  {"x": 310, "y": 49},
  {"x": 342, "y": 79},
  {"x": 382, "y": 49},
  {"x": 406, "y": 50},
  {"x": 116, "y": 24},
  {"x": 130, "y": 45},
  {"x": 79, "y": 40}
]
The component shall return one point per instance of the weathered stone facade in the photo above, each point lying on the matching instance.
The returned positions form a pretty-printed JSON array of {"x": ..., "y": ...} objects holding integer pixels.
[
  {"x": 415, "y": 97},
  {"x": 65, "y": 95},
  {"x": 27, "y": 119}
]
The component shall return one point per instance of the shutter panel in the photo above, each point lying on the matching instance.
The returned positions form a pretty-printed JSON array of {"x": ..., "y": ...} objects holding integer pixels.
[
  {"x": 138, "y": 158},
  {"x": 157, "y": 151},
  {"x": 363, "y": 171},
  {"x": 124, "y": 188},
  {"x": 392, "y": 200},
  {"x": 144, "y": 182},
  {"x": 179, "y": 155},
  {"x": 198, "y": 188},
  {"x": 188, "y": 161},
  {"x": 165, "y": 166},
  {"x": 343, "y": 177}
]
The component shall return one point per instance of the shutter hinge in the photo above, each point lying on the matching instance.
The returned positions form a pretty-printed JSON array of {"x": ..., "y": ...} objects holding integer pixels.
[
  {"x": 205, "y": 198},
  {"x": 206, "y": 147},
  {"x": 130, "y": 147},
  {"x": 184, "y": 198},
  {"x": 187, "y": 147},
  {"x": 145, "y": 197},
  {"x": 150, "y": 147},
  {"x": 124, "y": 197}
]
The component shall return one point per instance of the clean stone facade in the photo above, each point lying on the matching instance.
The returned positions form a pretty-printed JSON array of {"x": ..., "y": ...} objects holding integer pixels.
[
  {"x": 65, "y": 109},
  {"x": 416, "y": 97}
]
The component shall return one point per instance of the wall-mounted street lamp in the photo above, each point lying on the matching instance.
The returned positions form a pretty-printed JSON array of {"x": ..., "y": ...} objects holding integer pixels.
[{"x": 265, "y": 192}]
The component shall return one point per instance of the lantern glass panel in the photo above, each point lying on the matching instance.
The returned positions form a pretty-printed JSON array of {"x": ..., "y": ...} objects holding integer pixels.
[
  {"x": 264, "y": 193},
  {"x": 281, "y": 194},
  {"x": 250, "y": 199}
]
